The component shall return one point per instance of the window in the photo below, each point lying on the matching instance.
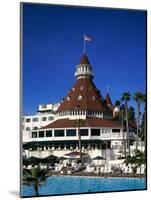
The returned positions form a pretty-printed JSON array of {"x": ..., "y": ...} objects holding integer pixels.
[
  {"x": 28, "y": 120},
  {"x": 50, "y": 118},
  {"x": 34, "y": 134},
  {"x": 44, "y": 118},
  {"x": 115, "y": 130},
  {"x": 84, "y": 132},
  {"x": 71, "y": 132},
  {"x": 28, "y": 129},
  {"x": 59, "y": 133},
  {"x": 49, "y": 133},
  {"x": 93, "y": 98},
  {"x": 80, "y": 97},
  {"x": 95, "y": 132},
  {"x": 68, "y": 98},
  {"x": 44, "y": 106},
  {"x": 35, "y": 119},
  {"x": 35, "y": 127},
  {"x": 73, "y": 89},
  {"x": 41, "y": 134},
  {"x": 81, "y": 88}
]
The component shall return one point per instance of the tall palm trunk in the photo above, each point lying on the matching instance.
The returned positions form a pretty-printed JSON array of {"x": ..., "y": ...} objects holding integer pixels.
[
  {"x": 79, "y": 135},
  {"x": 36, "y": 187},
  {"x": 124, "y": 141},
  {"x": 127, "y": 129},
  {"x": 138, "y": 119}
]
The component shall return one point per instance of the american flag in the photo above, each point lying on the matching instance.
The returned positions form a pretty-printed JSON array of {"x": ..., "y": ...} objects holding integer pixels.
[{"x": 87, "y": 38}]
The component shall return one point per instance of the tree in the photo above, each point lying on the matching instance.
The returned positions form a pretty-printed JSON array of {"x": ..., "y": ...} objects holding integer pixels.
[
  {"x": 138, "y": 158},
  {"x": 142, "y": 126},
  {"x": 131, "y": 114},
  {"x": 78, "y": 124},
  {"x": 145, "y": 117},
  {"x": 126, "y": 97},
  {"x": 138, "y": 97},
  {"x": 117, "y": 103},
  {"x": 122, "y": 114},
  {"x": 34, "y": 176}
]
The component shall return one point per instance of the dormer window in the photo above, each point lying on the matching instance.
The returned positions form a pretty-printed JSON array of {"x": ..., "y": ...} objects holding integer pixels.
[
  {"x": 81, "y": 88},
  {"x": 93, "y": 98},
  {"x": 68, "y": 98},
  {"x": 80, "y": 97},
  {"x": 73, "y": 89}
]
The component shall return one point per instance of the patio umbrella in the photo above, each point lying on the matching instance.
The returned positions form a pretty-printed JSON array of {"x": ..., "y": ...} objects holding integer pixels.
[
  {"x": 75, "y": 155},
  {"x": 51, "y": 159},
  {"x": 33, "y": 160},
  {"x": 98, "y": 158},
  {"x": 25, "y": 161},
  {"x": 61, "y": 158}
]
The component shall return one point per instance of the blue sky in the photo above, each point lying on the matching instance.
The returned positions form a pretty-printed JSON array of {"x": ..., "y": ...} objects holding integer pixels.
[{"x": 53, "y": 46}]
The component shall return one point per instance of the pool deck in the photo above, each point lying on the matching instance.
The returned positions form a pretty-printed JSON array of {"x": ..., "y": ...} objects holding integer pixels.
[{"x": 81, "y": 174}]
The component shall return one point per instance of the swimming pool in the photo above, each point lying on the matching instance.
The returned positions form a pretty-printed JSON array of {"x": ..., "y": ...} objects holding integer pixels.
[{"x": 69, "y": 184}]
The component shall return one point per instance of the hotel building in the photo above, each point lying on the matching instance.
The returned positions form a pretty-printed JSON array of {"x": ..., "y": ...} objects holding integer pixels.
[{"x": 53, "y": 130}]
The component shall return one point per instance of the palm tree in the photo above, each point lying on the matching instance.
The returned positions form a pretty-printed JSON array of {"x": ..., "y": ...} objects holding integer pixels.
[
  {"x": 117, "y": 103},
  {"x": 126, "y": 97},
  {"x": 120, "y": 114},
  {"x": 78, "y": 124},
  {"x": 144, "y": 101},
  {"x": 122, "y": 108},
  {"x": 138, "y": 97},
  {"x": 34, "y": 176}
]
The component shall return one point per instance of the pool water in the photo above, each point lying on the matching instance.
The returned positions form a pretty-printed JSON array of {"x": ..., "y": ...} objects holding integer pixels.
[{"x": 55, "y": 185}]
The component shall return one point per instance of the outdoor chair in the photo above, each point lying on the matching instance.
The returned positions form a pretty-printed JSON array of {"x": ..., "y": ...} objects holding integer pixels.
[
  {"x": 138, "y": 171},
  {"x": 125, "y": 171},
  {"x": 142, "y": 170},
  {"x": 130, "y": 170},
  {"x": 102, "y": 169},
  {"x": 106, "y": 169}
]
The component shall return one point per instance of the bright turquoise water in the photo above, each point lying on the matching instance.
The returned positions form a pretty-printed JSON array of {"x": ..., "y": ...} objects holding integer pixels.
[{"x": 66, "y": 185}]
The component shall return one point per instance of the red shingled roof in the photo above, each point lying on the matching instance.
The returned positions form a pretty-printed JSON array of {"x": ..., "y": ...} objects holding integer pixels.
[
  {"x": 108, "y": 100},
  {"x": 84, "y": 60},
  {"x": 91, "y": 98},
  {"x": 89, "y": 122}
]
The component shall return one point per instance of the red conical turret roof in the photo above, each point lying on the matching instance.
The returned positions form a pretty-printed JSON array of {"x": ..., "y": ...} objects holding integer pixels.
[
  {"x": 84, "y": 95},
  {"x": 84, "y": 60},
  {"x": 108, "y": 100}
]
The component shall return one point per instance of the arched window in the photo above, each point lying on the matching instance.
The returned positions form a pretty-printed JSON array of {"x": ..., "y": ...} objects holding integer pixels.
[
  {"x": 80, "y": 97},
  {"x": 92, "y": 98},
  {"x": 68, "y": 98},
  {"x": 81, "y": 87}
]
